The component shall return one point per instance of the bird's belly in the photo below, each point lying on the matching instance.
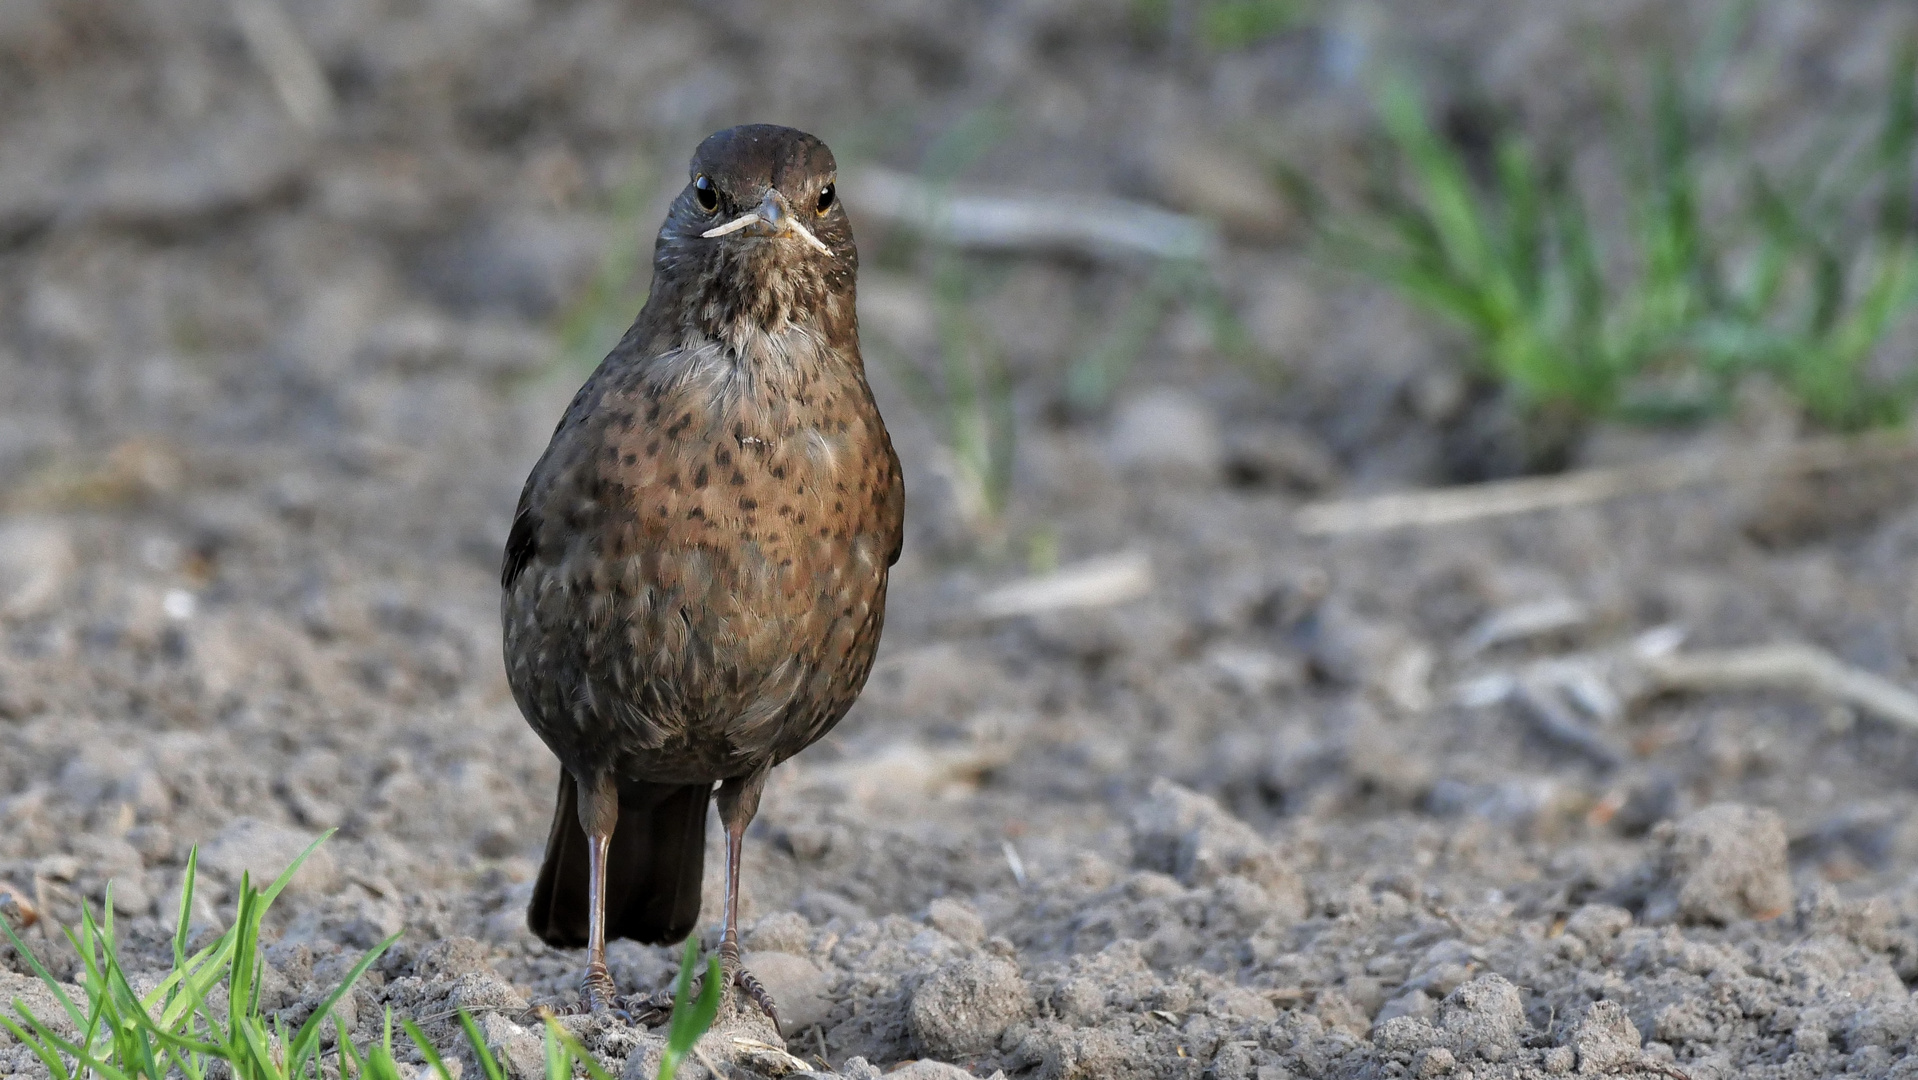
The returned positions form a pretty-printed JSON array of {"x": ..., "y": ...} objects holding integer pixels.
[{"x": 702, "y": 661}]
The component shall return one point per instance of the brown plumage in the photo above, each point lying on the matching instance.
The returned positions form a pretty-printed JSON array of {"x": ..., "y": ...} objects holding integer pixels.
[{"x": 695, "y": 579}]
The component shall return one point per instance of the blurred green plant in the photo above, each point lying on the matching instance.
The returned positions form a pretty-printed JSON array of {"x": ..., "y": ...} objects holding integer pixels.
[
  {"x": 691, "y": 1017},
  {"x": 965, "y": 388},
  {"x": 968, "y": 398},
  {"x": 1824, "y": 284},
  {"x": 1235, "y": 24},
  {"x": 177, "y": 1025},
  {"x": 1096, "y": 372},
  {"x": 1225, "y": 25},
  {"x": 592, "y": 324},
  {"x": 967, "y": 395},
  {"x": 1800, "y": 279},
  {"x": 204, "y": 1019},
  {"x": 980, "y": 428}
]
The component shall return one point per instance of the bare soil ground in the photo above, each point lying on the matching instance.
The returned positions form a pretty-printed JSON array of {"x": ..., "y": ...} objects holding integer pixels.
[{"x": 267, "y": 393}]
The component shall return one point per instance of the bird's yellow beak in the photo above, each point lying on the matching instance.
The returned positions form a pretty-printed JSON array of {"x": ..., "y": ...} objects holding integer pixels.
[{"x": 773, "y": 217}]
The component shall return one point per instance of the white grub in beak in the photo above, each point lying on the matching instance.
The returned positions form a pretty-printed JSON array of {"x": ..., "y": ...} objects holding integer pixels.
[{"x": 772, "y": 213}]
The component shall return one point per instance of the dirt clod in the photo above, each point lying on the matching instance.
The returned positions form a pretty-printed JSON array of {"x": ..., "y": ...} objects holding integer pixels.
[
  {"x": 956, "y": 920},
  {"x": 800, "y": 988},
  {"x": 1485, "y": 1017},
  {"x": 1722, "y": 864},
  {"x": 963, "y": 1008},
  {"x": 1433, "y": 1062},
  {"x": 1190, "y": 836},
  {"x": 1604, "y": 1039}
]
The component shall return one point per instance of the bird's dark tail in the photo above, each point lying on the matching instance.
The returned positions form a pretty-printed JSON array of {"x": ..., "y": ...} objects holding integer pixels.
[{"x": 653, "y": 869}]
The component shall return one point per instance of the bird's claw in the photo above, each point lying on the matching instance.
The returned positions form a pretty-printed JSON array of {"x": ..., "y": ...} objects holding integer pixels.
[
  {"x": 746, "y": 981},
  {"x": 559, "y": 1010},
  {"x": 597, "y": 994},
  {"x": 756, "y": 990}
]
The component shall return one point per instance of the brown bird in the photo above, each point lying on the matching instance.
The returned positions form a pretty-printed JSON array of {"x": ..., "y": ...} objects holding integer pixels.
[{"x": 695, "y": 579}]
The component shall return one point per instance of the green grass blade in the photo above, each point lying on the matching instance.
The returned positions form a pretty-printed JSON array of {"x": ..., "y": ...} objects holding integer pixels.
[
  {"x": 1441, "y": 178},
  {"x": 557, "y": 1064},
  {"x": 425, "y": 1048},
  {"x": 78, "y": 1051},
  {"x": 689, "y": 1020},
  {"x": 40, "y": 970},
  {"x": 132, "y": 1026},
  {"x": 1583, "y": 262},
  {"x": 709, "y": 998},
  {"x": 1896, "y": 142},
  {"x": 488, "y": 1063},
  {"x": 197, "y": 982},
  {"x": 689, "y": 1023},
  {"x": 962, "y": 144},
  {"x": 1519, "y": 190},
  {"x": 1772, "y": 260},
  {"x": 309, "y": 1032},
  {"x": 1720, "y": 44},
  {"x": 684, "y": 1027},
  {"x": 1092, "y": 378},
  {"x": 561, "y": 1043},
  {"x": 185, "y": 917},
  {"x": 50, "y": 1057},
  {"x": 259, "y": 1054},
  {"x": 594, "y": 322},
  {"x": 348, "y": 1055},
  {"x": 240, "y": 1000},
  {"x": 286, "y": 876},
  {"x": 86, "y": 944},
  {"x": 138, "y": 1017}
]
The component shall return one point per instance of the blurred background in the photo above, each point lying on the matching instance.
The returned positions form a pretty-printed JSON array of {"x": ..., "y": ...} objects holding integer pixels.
[{"x": 1156, "y": 296}]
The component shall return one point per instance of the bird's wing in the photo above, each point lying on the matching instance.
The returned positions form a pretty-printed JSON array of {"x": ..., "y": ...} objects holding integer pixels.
[
  {"x": 522, "y": 543},
  {"x": 895, "y": 509}
]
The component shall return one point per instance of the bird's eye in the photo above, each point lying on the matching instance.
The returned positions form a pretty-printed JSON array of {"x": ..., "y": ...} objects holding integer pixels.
[
  {"x": 707, "y": 195},
  {"x": 826, "y": 197}
]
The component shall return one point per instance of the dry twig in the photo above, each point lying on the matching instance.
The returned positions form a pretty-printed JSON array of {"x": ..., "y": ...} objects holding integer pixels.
[
  {"x": 1520, "y": 622},
  {"x": 766, "y": 1056},
  {"x": 1558, "y": 694},
  {"x": 1502, "y": 498},
  {"x": 1085, "y": 225},
  {"x": 296, "y": 75},
  {"x": 1100, "y": 582},
  {"x": 1803, "y": 668}
]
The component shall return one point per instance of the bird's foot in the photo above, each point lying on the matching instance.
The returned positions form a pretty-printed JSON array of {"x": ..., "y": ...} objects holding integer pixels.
[
  {"x": 748, "y": 983},
  {"x": 756, "y": 991},
  {"x": 597, "y": 995}
]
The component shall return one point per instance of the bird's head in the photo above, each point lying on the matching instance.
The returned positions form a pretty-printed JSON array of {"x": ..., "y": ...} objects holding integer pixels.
[{"x": 758, "y": 233}]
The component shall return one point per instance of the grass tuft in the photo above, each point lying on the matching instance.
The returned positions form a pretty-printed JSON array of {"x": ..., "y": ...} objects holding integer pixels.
[
  {"x": 691, "y": 1018},
  {"x": 179, "y": 1028},
  {"x": 1798, "y": 275}
]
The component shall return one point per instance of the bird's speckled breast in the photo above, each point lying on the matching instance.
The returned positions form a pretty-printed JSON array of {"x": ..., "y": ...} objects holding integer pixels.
[{"x": 714, "y": 530}]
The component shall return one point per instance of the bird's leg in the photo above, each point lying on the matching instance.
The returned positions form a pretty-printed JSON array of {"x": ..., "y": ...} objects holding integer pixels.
[
  {"x": 738, "y": 802},
  {"x": 598, "y": 814}
]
